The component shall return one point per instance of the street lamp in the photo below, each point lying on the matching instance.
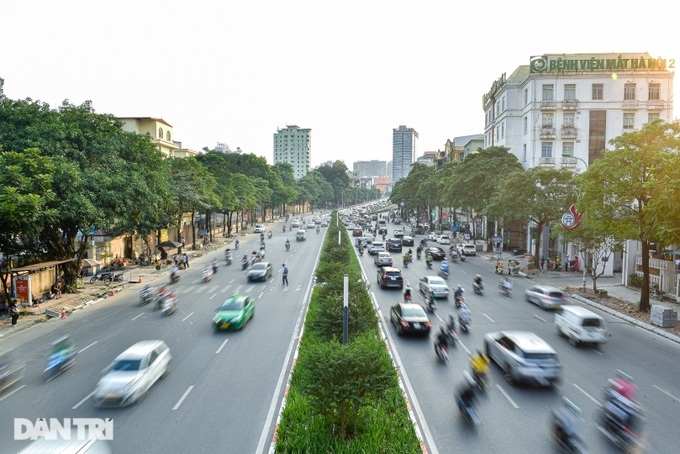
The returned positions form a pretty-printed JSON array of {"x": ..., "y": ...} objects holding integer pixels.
[{"x": 585, "y": 262}]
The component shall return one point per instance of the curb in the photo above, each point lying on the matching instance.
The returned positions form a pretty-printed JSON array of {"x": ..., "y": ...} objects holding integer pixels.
[{"x": 636, "y": 322}]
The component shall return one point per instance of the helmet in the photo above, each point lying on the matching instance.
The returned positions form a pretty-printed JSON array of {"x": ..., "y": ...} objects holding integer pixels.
[{"x": 478, "y": 276}]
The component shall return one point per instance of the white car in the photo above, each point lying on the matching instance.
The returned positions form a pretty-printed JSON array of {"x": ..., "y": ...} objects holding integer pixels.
[
  {"x": 132, "y": 373},
  {"x": 376, "y": 247},
  {"x": 444, "y": 239},
  {"x": 260, "y": 228},
  {"x": 295, "y": 224},
  {"x": 469, "y": 249}
]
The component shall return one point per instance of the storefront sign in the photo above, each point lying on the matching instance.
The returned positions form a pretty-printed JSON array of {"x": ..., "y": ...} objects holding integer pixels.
[
  {"x": 571, "y": 220},
  {"x": 598, "y": 62}
]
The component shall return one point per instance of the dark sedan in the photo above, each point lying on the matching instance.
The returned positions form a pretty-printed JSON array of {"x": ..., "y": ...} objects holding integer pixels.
[
  {"x": 410, "y": 318},
  {"x": 437, "y": 252},
  {"x": 407, "y": 240},
  {"x": 260, "y": 271}
]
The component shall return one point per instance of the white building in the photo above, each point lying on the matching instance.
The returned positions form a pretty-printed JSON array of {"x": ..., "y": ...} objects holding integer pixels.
[
  {"x": 403, "y": 151},
  {"x": 372, "y": 168},
  {"x": 293, "y": 145},
  {"x": 561, "y": 110}
]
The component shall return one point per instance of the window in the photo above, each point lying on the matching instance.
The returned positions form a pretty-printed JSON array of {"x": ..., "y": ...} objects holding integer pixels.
[
  {"x": 654, "y": 90},
  {"x": 569, "y": 120},
  {"x": 526, "y": 125},
  {"x": 547, "y": 120},
  {"x": 546, "y": 149},
  {"x": 160, "y": 133},
  {"x": 502, "y": 130},
  {"x": 652, "y": 116},
  {"x": 628, "y": 120},
  {"x": 570, "y": 92},
  {"x": 597, "y": 132},
  {"x": 524, "y": 153},
  {"x": 629, "y": 92},
  {"x": 526, "y": 96},
  {"x": 568, "y": 148},
  {"x": 167, "y": 136},
  {"x": 503, "y": 104},
  {"x": 598, "y": 92},
  {"x": 548, "y": 94}
]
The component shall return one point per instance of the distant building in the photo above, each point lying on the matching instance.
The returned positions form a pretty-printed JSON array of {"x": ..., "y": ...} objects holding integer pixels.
[
  {"x": 458, "y": 148},
  {"x": 403, "y": 151},
  {"x": 161, "y": 134},
  {"x": 370, "y": 169},
  {"x": 293, "y": 145}
]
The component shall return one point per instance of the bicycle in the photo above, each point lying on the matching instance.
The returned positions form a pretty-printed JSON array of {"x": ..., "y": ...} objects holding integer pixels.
[{"x": 657, "y": 294}]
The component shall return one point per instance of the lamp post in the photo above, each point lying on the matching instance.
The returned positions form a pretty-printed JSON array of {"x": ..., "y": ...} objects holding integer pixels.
[{"x": 585, "y": 263}]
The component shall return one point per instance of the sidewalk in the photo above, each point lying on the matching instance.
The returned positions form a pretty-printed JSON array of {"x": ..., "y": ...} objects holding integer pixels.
[
  {"x": 135, "y": 278},
  {"x": 616, "y": 299}
]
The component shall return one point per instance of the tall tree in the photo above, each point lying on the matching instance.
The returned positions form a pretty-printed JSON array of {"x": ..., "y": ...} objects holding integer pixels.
[{"x": 630, "y": 183}]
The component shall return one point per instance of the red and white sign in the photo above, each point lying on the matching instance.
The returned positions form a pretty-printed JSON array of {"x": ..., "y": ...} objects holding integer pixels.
[
  {"x": 571, "y": 220},
  {"x": 21, "y": 285}
]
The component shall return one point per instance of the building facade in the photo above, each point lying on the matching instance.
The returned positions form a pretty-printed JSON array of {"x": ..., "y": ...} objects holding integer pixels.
[
  {"x": 370, "y": 169},
  {"x": 403, "y": 151},
  {"x": 293, "y": 145},
  {"x": 561, "y": 111}
]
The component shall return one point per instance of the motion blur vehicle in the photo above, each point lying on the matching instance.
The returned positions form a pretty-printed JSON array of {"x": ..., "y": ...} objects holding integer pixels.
[
  {"x": 383, "y": 259},
  {"x": 434, "y": 284},
  {"x": 399, "y": 233},
  {"x": 437, "y": 252},
  {"x": 390, "y": 277},
  {"x": 410, "y": 318},
  {"x": 133, "y": 373},
  {"x": 234, "y": 313},
  {"x": 260, "y": 271},
  {"x": 301, "y": 235},
  {"x": 394, "y": 245},
  {"x": 524, "y": 357},
  {"x": 260, "y": 228},
  {"x": 407, "y": 240},
  {"x": 546, "y": 297},
  {"x": 11, "y": 371}
]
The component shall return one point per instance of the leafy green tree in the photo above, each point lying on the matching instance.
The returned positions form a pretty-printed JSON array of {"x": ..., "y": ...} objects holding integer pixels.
[
  {"x": 541, "y": 195},
  {"x": 287, "y": 192},
  {"x": 630, "y": 184},
  {"x": 337, "y": 171}
]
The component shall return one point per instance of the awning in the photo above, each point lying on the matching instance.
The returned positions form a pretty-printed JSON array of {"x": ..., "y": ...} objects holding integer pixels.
[{"x": 40, "y": 266}]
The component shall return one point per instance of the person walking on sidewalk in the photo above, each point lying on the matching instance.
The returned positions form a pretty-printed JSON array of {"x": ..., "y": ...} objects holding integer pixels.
[
  {"x": 14, "y": 312},
  {"x": 575, "y": 264},
  {"x": 186, "y": 260},
  {"x": 542, "y": 262},
  {"x": 285, "y": 275}
]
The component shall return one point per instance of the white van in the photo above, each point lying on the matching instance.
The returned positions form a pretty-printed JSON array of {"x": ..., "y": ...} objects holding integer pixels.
[{"x": 580, "y": 325}]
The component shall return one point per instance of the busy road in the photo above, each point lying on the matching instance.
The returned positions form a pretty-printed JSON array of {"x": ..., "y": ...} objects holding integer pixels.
[
  {"x": 223, "y": 390},
  {"x": 516, "y": 419}
]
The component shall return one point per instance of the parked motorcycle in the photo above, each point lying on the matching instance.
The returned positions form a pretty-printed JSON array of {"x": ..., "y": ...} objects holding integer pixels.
[
  {"x": 120, "y": 277},
  {"x": 105, "y": 276}
]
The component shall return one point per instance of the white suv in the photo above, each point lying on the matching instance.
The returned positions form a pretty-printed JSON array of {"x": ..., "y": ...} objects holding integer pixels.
[
  {"x": 443, "y": 239},
  {"x": 376, "y": 247},
  {"x": 260, "y": 228}
]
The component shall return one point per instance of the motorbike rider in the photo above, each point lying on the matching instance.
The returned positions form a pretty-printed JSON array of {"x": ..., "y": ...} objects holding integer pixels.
[
  {"x": 160, "y": 297},
  {"x": 410, "y": 254},
  {"x": 262, "y": 246},
  {"x": 214, "y": 265},
  {"x": 442, "y": 341},
  {"x": 408, "y": 297},
  {"x": 477, "y": 281},
  {"x": 444, "y": 267},
  {"x": 566, "y": 423},
  {"x": 464, "y": 315},
  {"x": 284, "y": 229},
  {"x": 63, "y": 347},
  {"x": 174, "y": 273},
  {"x": 458, "y": 293},
  {"x": 620, "y": 407},
  {"x": 451, "y": 323},
  {"x": 261, "y": 236},
  {"x": 406, "y": 259},
  {"x": 430, "y": 299},
  {"x": 236, "y": 243},
  {"x": 467, "y": 392},
  {"x": 419, "y": 251},
  {"x": 361, "y": 249},
  {"x": 227, "y": 255},
  {"x": 269, "y": 234},
  {"x": 287, "y": 244},
  {"x": 317, "y": 229},
  {"x": 428, "y": 259},
  {"x": 506, "y": 284},
  {"x": 480, "y": 366}
]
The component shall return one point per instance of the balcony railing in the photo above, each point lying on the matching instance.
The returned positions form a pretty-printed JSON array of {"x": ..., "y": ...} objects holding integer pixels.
[
  {"x": 548, "y": 105},
  {"x": 655, "y": 104},
  {"x": 547, "y": 132},
  {"x": 546, "y": 162},
  {"x": 630, "y": 103},
  {"x": 569, "y": 104},
  {"x": 568, "y": 132}
]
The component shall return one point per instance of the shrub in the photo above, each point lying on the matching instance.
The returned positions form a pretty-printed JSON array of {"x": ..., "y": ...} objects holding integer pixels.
[{"x": 635, "y": 281}]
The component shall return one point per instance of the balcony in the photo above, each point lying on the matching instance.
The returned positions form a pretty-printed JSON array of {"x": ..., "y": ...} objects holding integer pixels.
[
  {"x": 546, "y": 162},
  {"x": 569, "y": 104},
  {"x": 568, "y": 132},
  {"x": 548, "y": 105},
  {"x": 655, "y": 104},
  {"x": 547, "y": 132},
  {"x": 568, "y": 162},
  {"x": 630, "y": 103}
]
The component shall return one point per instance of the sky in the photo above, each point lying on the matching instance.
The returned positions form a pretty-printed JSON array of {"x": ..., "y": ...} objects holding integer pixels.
[{"x": 234, "y": 71}]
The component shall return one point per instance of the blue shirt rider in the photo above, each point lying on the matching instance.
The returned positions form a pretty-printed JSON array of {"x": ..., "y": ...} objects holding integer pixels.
[{"x": 445, "y": 266}]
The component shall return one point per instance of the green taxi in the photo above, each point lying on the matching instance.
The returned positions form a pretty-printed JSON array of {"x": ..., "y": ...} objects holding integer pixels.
[{"x": 234, "y": 313}]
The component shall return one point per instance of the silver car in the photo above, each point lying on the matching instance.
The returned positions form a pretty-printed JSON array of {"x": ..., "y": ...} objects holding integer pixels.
[
  {"x": 434, "y": 284},
  {"x": 383, "y": 259},
  {"x": 132, "y": 373},
  {"x": 546, "y": 297},
  {"x": 524, "y": 357}
]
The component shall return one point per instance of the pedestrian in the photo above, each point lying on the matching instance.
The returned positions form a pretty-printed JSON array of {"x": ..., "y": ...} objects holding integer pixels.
[
  {"x": 575, "y": 264},
  {"x": 509, "y": 267},
  {"x": 177, "y": 260},
  {"x": 285, "y": 275},
  {"x": 557, "y": 263},
  {"x": 14, "y": 312},
  {"x": 186, "y": 260},
  {"x": 56, "y": 289},
  {"x": 542, "y": 262}
]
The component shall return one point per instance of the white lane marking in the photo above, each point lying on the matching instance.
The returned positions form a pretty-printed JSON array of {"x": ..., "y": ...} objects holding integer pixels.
[
  {"x": 261, "y": 295},
  {"x": 85, "y": 348},
  {"x": 666, "y": 393},
  {"x": 541, "y": 319},
  {"x": 222, "y": 346},
  {"x": 238, "y": 288},
  {"x": 490, "y": 319},
  {"x": 187, "y": 316},
  {"x": 214, "y": 295},
  {"x": 11, "y": 392},
  {"x": 225, "y": 289},
  {"x": 512, "y": 402},
  {"x": 136, "y": 317},
  {"x": 199, "y": 289},
  {"x": 82, "y": 401},
  {"x": 213, "y": 288},
  {"x": 231, "y": 281},
  {"x": 184, "y": 396},
  {"x": 587, "y": 395}
]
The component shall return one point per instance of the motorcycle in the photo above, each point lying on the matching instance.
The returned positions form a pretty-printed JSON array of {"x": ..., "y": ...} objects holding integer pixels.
[
  {"x": 452, "y": 335},
  {"x": 206, "y": 274},
  {"x": 480, "y": 379},
  {"x": 174, "y": 278},
  {"x": 118, "y": 277},
  {"x": 442, "y": 354},
  {"x": 228, "y": 259},
  {"x": 361, "y": 251},
  {"x": 146, "y": 296},
  {"x": 564, "y": 431},
  {"x": 269, "y": 234},
  {"x": 287, "y": 245},
  {"x": 215, "y": 267},
  {"x": 284, "y": 229},
  {"x": 454, "y": 257},
  {"x": 499, "y": 269},
  {"x": 464, "y": 323},
  {"x": 467, "y": 410},
  {"x": 318, "y": 229},
  {"x": 458, "y": 299},
  {"x": 244, "y": 264},
  {"x": 236, "y": 243},
  {"x": 505, "y": 289},
  {"x": 59, "y": 362},
  {"x": 624, "y": 434},
  {"x": 429, "y": 264},
  {"x": 406, "y": 263},
  {"x": 105, "y": 277},
  {"x": 478, "y": 288},
  {"x": 168, "y": 305},
  {"x": 443, "y": 274},
  {"x": 430, "y": 306}
]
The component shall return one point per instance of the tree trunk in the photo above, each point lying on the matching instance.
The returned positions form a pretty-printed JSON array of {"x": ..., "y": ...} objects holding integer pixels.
[
  {"x": 644, "y": 294},
  {"x": 537, "y": 249}
]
